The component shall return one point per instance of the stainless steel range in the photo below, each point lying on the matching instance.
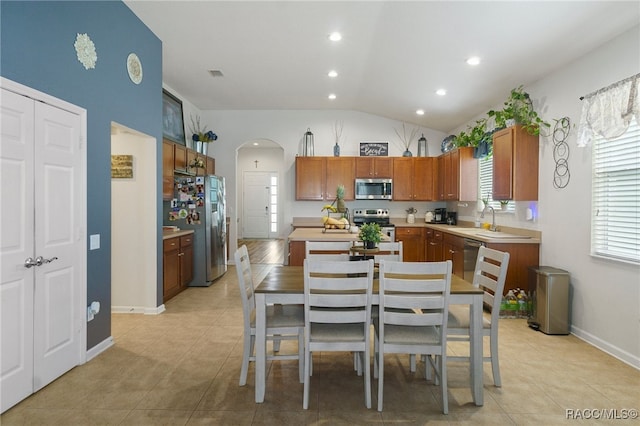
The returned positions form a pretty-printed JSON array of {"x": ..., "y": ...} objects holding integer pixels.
[{"x": 379, "y": 216}]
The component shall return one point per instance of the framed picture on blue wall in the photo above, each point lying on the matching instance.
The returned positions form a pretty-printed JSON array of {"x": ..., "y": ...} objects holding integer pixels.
[{"x": 172, "y": 118}]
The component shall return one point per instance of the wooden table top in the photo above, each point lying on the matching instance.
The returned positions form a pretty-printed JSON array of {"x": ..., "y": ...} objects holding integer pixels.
[{"x": 290, "y": 279}]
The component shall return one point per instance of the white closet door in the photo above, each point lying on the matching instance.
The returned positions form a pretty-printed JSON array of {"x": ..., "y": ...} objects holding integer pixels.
[
  {"x": 57, "y": 186},
  {"x": 16, "y": 245},
  {"x": 41, "y": 209}
]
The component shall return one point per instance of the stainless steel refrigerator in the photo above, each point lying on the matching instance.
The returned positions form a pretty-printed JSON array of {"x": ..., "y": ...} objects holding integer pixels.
[{"x": 199, "y": 204}]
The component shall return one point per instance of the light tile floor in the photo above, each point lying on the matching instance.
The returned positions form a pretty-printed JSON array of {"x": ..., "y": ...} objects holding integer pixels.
[{"x": 182, "y": 367}]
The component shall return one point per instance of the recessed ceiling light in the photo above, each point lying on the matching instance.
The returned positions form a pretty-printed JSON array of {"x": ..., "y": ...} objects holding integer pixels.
[
  {"x": 420, "y": 112},
  {"x": 332, "y": 96},
  {"x": 335, "y": 36},
  {"x": 474, "y": 60},
  {"x": 333, "y": 73},
  {"x": 256, "y": 144},
  {"x": 441, "y": 92}
]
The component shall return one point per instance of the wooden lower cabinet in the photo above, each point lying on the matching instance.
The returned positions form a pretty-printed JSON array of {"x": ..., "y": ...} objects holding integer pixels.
[
  {"x": 413, "y": 246},
  {"x": 434, "y": 245},
  {"x": 521, "y": 257},
  {"x": 177, "y": 267},
  {"x": 453, "y": 248}
]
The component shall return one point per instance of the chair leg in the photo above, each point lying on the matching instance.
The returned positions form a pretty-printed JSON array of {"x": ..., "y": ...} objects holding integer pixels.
[
  {"x": 380, "y": 372},
  {"x": 247, "y": 350},
  {"x": 307, "y": 378},
  {"x": 301, "y": 354},
  {"x": 495, "y": 364},
  {"x": 367, "y": 378},
  {"x": 412, "y": 363},
  {"x": 443, "y": 385},
  {"x": 376, "y": 349},
  {"x": 276, "y": 343}
]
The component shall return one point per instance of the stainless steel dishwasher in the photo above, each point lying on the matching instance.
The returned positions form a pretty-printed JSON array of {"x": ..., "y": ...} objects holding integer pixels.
[{"x": 471, "y": 248}]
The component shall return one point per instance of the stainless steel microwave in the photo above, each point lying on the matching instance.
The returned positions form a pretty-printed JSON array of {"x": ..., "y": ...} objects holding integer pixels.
[{"x": 374, "y": 189}]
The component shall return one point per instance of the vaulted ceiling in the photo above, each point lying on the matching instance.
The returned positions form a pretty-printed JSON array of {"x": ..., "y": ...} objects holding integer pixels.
[{"x": 392, "y": 58}]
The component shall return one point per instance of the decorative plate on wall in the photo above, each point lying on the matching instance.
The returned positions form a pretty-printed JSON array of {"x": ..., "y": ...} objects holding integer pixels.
[
  {"x": 448, "y": 143},
  {"x": 86, "y": 51},
  {"x": 134, "y": 68}
]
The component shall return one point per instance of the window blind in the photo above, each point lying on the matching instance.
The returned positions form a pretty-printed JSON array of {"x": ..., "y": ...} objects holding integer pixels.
[
  {"x": 486, "y": 184},
  {"x": 615, "y": 223}
]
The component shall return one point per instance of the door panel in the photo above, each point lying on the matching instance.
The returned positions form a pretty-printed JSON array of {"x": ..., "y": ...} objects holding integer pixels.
[
  {"x": 56, "y": 333},
  {"x": 16, "y": 244},
  {"x": 41, "y": 214},
  {"x": 256, "y": 205}
]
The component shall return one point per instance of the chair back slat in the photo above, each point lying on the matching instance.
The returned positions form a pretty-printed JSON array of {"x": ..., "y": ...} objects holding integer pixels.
[
  {"x": 328, "y": 250},
  {"x": 245, "y": 281}
]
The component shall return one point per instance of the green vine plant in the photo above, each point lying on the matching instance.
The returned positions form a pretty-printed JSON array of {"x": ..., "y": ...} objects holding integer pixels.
[{"x": 518, "y": 107}]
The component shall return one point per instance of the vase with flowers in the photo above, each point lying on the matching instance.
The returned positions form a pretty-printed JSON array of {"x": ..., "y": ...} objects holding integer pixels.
[{"x": 201, "y": 136}]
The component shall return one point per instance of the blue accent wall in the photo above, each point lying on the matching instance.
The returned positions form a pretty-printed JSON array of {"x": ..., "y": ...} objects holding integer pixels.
[{"x": 37, "y": 50}]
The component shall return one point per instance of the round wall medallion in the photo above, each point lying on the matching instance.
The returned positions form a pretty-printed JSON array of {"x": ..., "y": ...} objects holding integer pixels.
[
  {"x": 86, "y": 51},
  {"x": 134, "y": 68}
]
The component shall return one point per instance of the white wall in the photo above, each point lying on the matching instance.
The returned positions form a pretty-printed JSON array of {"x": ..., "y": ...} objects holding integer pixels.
[
  {"x": 134, "y": 226},
  {"x": 606, "y": 294},
  {"x": 605, "y": 308}
]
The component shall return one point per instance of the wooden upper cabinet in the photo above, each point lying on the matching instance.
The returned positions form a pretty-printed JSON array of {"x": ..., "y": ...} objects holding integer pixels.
[
  {"x": 374, "y": 167},
  {"x": 340, "y": 171},
  {"x": 459, "y": 178},
  {"x": 441, "y": 179},
  {"x": 311, "y": 175},
  {"x": 180, "y": 157},
  {"x": 515, "y": 165},
  {"x": 425, "y": 178},
  {"x": 403, "y": 179},
  {"x": 167, "y": 170},
  {"x": 414, "y": 179},
  {"x": 210, "y": 166}
]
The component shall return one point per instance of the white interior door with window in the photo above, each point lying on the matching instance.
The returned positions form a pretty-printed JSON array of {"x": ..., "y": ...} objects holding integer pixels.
[
  {"x": 260, "y": 205},
  {"x": 42, "y": 244}
]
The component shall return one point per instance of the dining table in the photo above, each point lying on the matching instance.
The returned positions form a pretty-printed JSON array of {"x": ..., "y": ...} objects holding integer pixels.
[{"x": 285, "y": 285}]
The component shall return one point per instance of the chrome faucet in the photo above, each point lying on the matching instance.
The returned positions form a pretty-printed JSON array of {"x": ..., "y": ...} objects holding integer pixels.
[{"x": 493, "y": 217}]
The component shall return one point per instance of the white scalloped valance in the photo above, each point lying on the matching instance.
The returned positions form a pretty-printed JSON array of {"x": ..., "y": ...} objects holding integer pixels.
[{"x": 608, "y": 111}]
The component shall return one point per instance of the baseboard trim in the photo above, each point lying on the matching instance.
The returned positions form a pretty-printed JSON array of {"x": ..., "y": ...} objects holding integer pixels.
[
  {"x": 614, "y": 351},
  {"x": 99, "y": 348},
  {"x": 137, "y": 310}
]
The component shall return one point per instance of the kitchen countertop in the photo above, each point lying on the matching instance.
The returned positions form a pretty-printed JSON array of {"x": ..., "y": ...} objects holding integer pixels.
[
  {"x": 507, "y": 235},
  {"x": 316, "y": 234},
  {"x": 173, "y": 234}
]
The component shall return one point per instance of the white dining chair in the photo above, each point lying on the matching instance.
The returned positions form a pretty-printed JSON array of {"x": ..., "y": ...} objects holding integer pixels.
[
  {"x": 337, "y": 304},
  {"x": 490, "y": 274},
  {"x": 328, "y": 250},
  {"x": 284, "y": 322},
  {"x": 414, "y": 300},
  {"x": 389, "y": 251}
]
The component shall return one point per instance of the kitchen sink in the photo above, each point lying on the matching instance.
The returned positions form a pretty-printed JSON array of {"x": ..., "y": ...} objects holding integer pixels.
[{"x": 500, "y": 235}]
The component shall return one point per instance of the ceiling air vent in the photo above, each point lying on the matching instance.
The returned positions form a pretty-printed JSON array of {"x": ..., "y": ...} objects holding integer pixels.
[{"x": 216, "y": 73}]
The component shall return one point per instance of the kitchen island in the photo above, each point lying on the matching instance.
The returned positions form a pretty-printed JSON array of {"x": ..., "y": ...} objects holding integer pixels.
[{"x": 296, "y": 240}]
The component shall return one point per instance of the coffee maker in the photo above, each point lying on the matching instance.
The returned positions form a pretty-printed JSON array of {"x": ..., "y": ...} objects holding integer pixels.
[
  {"x": 452, "y": 218},
  {"x": 440, "y": 215}
]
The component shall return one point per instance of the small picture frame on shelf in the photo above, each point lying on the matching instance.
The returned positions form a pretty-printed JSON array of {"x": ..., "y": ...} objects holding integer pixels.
[
  {"x": 172, "y": 118},
  {"x": 374, "y": 149}
]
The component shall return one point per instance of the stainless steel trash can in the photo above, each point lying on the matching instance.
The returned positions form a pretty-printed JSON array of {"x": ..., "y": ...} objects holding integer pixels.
[{"x": 550, "y": 299}]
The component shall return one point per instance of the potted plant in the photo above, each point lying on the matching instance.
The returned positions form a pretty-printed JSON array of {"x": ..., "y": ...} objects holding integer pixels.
[
  {"x": 504, "y": 204},
  {"x": 201, "y": 136},
  {"x": 370, "y": 235},
  {"x": 519, "y": 109}
]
